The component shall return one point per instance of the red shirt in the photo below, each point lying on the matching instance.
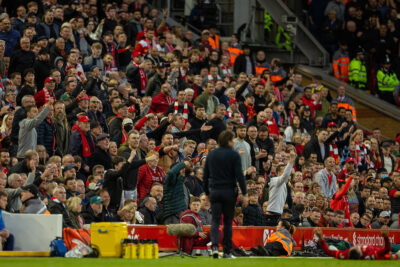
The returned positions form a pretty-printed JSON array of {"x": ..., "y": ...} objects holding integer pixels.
[
  {"x": 368, "y": 252},
  {"x": 160, "y": 103}
]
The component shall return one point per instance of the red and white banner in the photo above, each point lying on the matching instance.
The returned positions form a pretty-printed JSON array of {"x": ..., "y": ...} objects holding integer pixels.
[{"x": 252, "y": 236}]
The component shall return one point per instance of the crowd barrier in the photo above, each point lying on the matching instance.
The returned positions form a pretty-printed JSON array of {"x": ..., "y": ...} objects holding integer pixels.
[
  {"x": 33, "y": 232},
  {"x": 253, "y": 236}
]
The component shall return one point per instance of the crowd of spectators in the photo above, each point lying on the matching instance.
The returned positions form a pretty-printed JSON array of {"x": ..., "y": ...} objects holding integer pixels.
[
  {"x": 108, "y": 114},
  {"x": 347, "y": 28}
]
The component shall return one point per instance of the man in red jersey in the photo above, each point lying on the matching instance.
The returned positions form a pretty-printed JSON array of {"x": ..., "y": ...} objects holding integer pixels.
[{"x": 360, "y": 252}]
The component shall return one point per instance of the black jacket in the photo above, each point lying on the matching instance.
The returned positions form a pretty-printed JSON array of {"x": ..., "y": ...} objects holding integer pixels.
[
  {"x": 19, "y": 115},
  {"x": 223, "y": 170},
  {"x": 252, "y": 215},
  {"x": 20, "y": 61},
  {"x": 240, "y": 64},
  {"x": 42, "y": 71},
  {"x": 218, "y": 126},
  {"x": 20, "y": 167},
  {"x": 58, "y": 208},
  {"x": 194, "y": 185},
  {"x": 113, "y": 182},
  {"x": 100, "y": 157},
  {"x": 149, "y": 216},
  {"x": 89, "y": 216},
  {"x": 313, "y": 147}
]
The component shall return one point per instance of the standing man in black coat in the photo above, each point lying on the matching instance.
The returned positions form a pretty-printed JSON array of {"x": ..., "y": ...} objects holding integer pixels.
[
  {"x": 318, "y": 144},
  {"x": 22, "y": 58},
  {"x": 217, "y": 124},
  {"x": 42, "y": 68},
  {"x": 222, "y": 172},
  {"x": 101, "y": 154},
  {"x": 244, "y": 62}
]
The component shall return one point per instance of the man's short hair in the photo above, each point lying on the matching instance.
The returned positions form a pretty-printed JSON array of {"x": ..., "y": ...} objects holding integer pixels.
[
  {"x": 194, "y": 199},
  {"x": 224, "y": 138},
  {"x": 117, "y": 159}
]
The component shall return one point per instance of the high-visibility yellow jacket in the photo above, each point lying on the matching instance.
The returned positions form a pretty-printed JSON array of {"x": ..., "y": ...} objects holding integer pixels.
[{"x": 357, "y": 74}]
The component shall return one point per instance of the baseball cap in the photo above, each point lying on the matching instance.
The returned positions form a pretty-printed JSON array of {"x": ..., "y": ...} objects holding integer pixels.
[
  {"x": 126, "y": 121},
  {"x": 205, "y": 32},
  {"x": 95, "y": 200},
  {"x": 67, "y": 168},
  {"x": 85, "y": 97},
  {"x": 160, "y": 65},
  {"x": 332, "y": 124},
  {"x": 350, "y": 160},
  {"x": 102, "y": 137},
  {"x": 84, "y": 119},
  {"x": 233, "y": 100},
  {"x": 31, "y": 188},
  {"x": 384, "y": 214},
  {"x": 48, "y": 79}
]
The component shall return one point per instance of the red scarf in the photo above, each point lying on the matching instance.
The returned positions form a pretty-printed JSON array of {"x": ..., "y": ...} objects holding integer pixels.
[
  {"x": 334, "y": 152},
  {"x": 291, "y": 116},
  {"x": 185, "y": 110},
  {"x": 112, "y": 51},
  {"x": 377, "y": 159},
  {"x": 250, "y": 111},
  {"x": 85, "y": 144},
  {"x": 124, "y": 137},
  {"x": 358, "y": 154},
  {"x": 329, "y": 177},
  {"x": 143, "y": 81}
]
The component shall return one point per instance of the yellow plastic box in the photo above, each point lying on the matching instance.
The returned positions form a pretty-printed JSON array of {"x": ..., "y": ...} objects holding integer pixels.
[{"x": 106, "y": 238}]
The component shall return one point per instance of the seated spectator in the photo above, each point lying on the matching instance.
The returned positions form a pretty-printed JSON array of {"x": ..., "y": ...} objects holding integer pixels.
[
  {"x": 92, "y": 212},
  {"x": 58, "y": 206},
  {"x": 109, "y": 214},
  {"x": 75, "y": 208},
  {"x": 313, "y": 220},
  {"x": 129, "y": 213},
  {"x": 148, "y": 210},
  {"x": 382, "y": 222},
  {"x": 32, "y": 204}
]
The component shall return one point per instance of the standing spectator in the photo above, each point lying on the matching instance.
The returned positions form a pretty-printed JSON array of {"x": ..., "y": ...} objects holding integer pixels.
[
  {"x": 9, "y": 35},
  {"x": 160, "y": 103},
  {"x": 27, "y": 133},
  {"x": 47, "y": 133},
  {"x": 278, "y": 191},
  {"x": 319, "y": 145},
  {"x": 81, "y": 142},
  {"x": 326, "y": 178},
  {"x": 252, "y": 213},
  {"x": 244, "y": 62},
  {"x": 174, "y": 196},
  {"x": 149, "y": 173},
  {"x": 242, "y": 147},
  {"x": 101, "y": 153},
  {"x": 43, "y": 96},
  {"x": 23, "y": 58}
]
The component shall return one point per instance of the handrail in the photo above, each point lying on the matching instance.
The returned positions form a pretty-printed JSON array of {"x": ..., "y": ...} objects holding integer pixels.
[{"x": 359, "y": 96}]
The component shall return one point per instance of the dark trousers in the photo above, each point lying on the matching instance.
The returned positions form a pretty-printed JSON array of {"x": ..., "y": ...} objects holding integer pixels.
[
  {"x": 275, "y": 249},
  {"x": 271, "y": 219},
  {"x": 222, "y": 202}
]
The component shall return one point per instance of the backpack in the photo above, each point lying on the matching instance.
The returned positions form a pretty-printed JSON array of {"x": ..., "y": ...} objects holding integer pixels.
[{"x": 58, "y": 248}]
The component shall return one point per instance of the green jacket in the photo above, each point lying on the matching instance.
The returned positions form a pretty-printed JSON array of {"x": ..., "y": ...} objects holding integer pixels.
[
  {"x": 357, "y": 74},
  {"x": 154, "y": 85},
  {"x": 386, "y": 81},
  {"x": 174, "y": 196},
  {"x": 203, "y": 100}
]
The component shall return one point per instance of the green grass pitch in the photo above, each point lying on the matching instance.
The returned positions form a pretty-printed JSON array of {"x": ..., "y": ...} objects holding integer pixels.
[{"x": 199, "y": 261}]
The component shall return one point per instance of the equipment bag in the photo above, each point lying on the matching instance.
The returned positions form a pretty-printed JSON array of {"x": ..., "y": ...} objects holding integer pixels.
[{"x": 58, "y": 248}]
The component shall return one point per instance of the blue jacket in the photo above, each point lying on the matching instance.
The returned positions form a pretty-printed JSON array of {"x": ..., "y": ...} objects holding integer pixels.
[
  {"x": 12, "y": 37},
  {"x": 46, "y": 136},
  {"x": 75, "y": 145}
]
